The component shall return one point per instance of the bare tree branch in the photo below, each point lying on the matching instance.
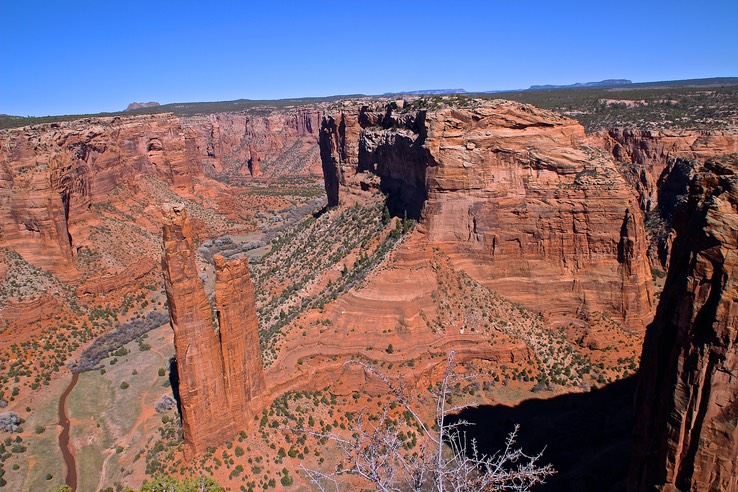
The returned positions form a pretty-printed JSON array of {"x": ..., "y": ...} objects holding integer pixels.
[{"x": 444, "y": 460}]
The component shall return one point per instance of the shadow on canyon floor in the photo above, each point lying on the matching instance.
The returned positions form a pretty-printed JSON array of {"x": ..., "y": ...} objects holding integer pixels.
[{"x": 586, "y": 435}]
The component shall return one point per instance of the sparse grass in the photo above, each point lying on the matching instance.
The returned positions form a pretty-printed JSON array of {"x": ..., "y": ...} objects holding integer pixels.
[
  {"x": 89, "y": 464},
  {"x": 669, "y": 106},
  {"x": 91, "y": 397},
  {"x": 108, "y": 416}
]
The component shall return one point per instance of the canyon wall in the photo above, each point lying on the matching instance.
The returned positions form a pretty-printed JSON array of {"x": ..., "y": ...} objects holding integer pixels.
[
  {"x": 218, "y": 356},
  {"x": 512, "y": 193},
  {"x": 269, "y": 143},
  {"x": 659, "y": 166},
  {"x": 51, "y": 175},
  {"x": 55, "y": 177},
  {"x": 645, "y": 156},
  {"x": 686, "y": 434}
]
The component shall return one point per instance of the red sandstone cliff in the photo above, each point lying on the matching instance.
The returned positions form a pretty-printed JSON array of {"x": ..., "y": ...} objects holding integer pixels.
[
  {"x": 645, "y": 156},
  {"x": 219, "y": 365},
  {"x": 686, "y": 435},
  {"x": 51, "y": 175},
  {"x": 512, "y": 194},
  {"x": 659, "y": 166},
  {"x": 235, "y": 306},
  {"x": 271, "y": 143},
  {"x": 56, "y": 179}
]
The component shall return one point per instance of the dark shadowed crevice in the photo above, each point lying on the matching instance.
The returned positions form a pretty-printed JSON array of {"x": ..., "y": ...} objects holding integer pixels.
[
  {"x": 174, "y": 381},
  {"x": 66, "y": 199}
]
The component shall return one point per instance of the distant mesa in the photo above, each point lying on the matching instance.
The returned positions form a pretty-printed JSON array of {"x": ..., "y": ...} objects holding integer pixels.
[
  {"x": 602, "y": 83},
  {"x": 427, "y": 92},
  {"x": 135, "y": 105}
]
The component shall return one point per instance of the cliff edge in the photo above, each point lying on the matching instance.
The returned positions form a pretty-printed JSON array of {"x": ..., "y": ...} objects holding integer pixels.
[
  {"x": 686, "y": 434},
  {"x": 512, "y": 193}
]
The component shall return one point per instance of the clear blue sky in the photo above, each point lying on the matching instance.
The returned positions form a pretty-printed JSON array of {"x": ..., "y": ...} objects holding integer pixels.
[{"x": 61, "y": 57}]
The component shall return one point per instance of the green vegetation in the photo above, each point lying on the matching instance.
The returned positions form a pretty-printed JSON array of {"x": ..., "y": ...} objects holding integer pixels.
[
  {"x": 465, "y": 303},
  {"x": 171, "y": 484},
  {"x": 300, "y": 254},
  {"x": 670, "y": 105}
]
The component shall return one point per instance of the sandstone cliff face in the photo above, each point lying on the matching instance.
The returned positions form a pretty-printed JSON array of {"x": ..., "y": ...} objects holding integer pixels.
[
  {"x": 52, "y": 174},
  {"x": 219, "y": 366},
  {"x": 686, "y": 435},
  {"x": 235, "y": 305},
  {"x": 659, "y": 166},
  {"x": 273, "y": 143},
  {"x": 513, "y": 195}
]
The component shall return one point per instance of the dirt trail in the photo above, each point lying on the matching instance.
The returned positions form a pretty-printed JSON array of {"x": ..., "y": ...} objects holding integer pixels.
[{"x": 64, "y": 436}]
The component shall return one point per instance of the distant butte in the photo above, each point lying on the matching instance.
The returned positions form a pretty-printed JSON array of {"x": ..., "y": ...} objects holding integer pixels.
[{"x": 135, "y": 105}]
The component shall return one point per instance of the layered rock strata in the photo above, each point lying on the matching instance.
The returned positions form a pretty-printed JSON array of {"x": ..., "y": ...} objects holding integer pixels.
[
  {"x": 645, "y": 155},
  {"x": 261, "y": 143},
  {"x": 51, "y": 176},
  {"x": 686, "y": 435},
  {"x": 512, "y": 193},
  {"x": 659, "y": 166},
  {"x": 218, "y": 358},
  {"x": 235, "y": 305}
]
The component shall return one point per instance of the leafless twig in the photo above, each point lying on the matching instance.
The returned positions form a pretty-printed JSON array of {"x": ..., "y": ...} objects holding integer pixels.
[{"x": 444, "y": 459}]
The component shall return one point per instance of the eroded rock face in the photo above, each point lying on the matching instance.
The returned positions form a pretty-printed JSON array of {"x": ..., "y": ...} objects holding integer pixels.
[
  {"x": 645, "y": 156},
  {"x": 50, "y": 175},
  {"x": 512, "y": 193},
  {"x": 273, "y": 143},
  {"x": 686, "y": 435},
  {"x": 218, "y": 363},
  {"x": 235, "y": 305}
]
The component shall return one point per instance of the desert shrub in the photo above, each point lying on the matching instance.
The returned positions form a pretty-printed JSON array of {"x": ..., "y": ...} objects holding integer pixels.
[
  {"x": 171, "y": 484},
  {"x": 379, "y": 453},
  {"x": 10, "y": 422},
  {"x": 165, "y": 403},
  {"x": 286, "y": 480}
]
